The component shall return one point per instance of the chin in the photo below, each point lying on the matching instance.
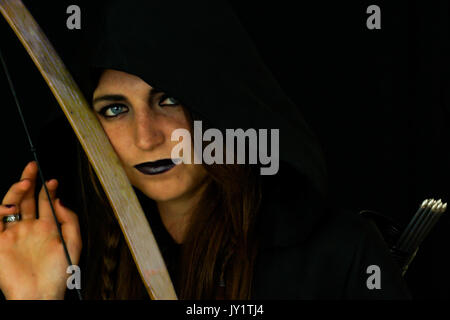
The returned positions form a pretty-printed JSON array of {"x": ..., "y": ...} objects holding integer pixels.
[
  {"x": 171, "y": 187},
  {"x": 161, "y": 192}
]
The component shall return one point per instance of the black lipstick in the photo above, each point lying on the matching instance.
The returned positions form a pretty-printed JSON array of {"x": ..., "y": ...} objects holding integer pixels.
[{"x": 156, "y": 167}]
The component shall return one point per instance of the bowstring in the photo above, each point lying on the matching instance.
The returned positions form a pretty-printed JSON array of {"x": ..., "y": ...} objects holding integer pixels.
[{"x": 41, "y": 174}]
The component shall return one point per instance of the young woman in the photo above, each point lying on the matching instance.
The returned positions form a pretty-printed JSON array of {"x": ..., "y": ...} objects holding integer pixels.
[{"x": 225, "y": 230}]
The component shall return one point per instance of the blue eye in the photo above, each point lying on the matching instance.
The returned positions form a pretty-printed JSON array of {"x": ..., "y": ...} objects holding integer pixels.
[
  {"x": 113, "y": 110},
  {"x": 168, "y": 101}
]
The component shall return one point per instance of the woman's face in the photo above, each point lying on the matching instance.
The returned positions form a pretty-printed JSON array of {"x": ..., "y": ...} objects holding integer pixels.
[{"x": 139, "y": 122}]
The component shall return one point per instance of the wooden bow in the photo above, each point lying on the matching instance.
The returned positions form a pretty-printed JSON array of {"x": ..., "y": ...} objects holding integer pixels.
[{"x": 126, "y": 207}]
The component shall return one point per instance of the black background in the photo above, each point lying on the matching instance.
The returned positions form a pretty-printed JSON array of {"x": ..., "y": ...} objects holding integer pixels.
[{"x": 377, "y": 99}]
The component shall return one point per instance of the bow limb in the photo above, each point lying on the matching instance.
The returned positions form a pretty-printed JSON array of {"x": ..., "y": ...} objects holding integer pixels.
[{"x": 123, "y": 200}]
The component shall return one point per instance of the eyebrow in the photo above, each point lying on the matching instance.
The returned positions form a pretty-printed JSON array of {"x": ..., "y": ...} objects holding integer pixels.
[
  {"x": 110, "y": 97},
  {"x": 119, "y": 97}
]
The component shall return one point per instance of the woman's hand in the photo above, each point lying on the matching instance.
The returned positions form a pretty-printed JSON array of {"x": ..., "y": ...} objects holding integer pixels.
[{"x": 32, "y": 259}]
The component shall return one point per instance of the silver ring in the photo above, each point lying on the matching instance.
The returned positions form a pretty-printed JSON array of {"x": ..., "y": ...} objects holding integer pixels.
[{"x": 12, "y": 218}]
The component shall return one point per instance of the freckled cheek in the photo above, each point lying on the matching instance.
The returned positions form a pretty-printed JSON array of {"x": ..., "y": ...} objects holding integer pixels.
[
  {"x": 120, "y": 140},
  {"x": 175, "y": 120},
  {"x": 176, "y": 124}
]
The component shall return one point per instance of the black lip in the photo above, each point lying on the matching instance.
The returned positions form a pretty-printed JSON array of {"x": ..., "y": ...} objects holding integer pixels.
[{"x": 155, "y": 167}]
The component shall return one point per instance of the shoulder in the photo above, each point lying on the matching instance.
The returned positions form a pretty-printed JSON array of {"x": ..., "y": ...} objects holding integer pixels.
[
  {"x": 315, "y": 251},
  {"x": 339, "y": 228},
  {"x": 293, "y": 212}
]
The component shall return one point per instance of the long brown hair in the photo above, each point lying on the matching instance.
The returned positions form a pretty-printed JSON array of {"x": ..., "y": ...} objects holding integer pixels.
[{"x": 220, "y": 246}]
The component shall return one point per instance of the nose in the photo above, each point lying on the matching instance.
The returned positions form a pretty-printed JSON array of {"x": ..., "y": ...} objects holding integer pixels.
[{"x": 148, "y": 134}]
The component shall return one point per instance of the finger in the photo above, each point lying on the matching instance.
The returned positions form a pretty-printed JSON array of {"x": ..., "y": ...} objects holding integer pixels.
[
  {"x": 70, "y": 229},
  {"x": 7, "y": 209},
  {"x": 4, "y": 211},
  {"x": 28, "y": 204},
  {"x": 15, "y": 195},
  {"x": 16, "y": 192},
  {"x": 45, "y": 210},
  {"x": 24, "y": 190}
]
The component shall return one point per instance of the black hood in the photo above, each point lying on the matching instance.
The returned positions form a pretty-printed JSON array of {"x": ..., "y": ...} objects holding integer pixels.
[{"x": 199, "y": 53}]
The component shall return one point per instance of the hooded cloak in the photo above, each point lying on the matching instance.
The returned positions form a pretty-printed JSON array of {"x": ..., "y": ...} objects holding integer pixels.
[{"x": 199, "y": 53}]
